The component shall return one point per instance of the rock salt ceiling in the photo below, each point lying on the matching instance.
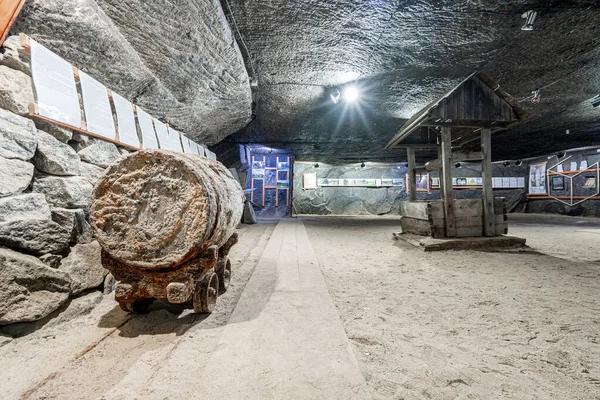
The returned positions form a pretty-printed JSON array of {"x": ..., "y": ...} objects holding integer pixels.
[{"x": 178, "y": 60}]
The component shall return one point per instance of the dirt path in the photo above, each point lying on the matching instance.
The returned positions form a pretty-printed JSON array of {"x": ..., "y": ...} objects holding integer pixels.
[
  {"x": 464, "y": 324},
  {"x": 111, "y": 354}
]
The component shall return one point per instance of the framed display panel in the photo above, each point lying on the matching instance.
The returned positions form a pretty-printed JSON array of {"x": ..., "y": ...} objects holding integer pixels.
[
  {"x": 96, "y": 105},
  {"x": 174, "y": 141},
  {"x": 581, "y": 185},
  {"x": 422, "y": 183},
  {"x": 149, "y": 140},
  {"x": 210, "y": 154},
  {"x": 127, "y": 130},
  {"x": 309, "y": 181},
  {"x": 283, "y": 179},
  {"x": 537, "y": 178},
  {"x": 189, "y": 146},
  {"x": 258, "y": 176}
]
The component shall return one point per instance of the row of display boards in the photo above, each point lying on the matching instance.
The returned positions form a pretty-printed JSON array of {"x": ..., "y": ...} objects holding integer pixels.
[{"x": 57, "y": 100}]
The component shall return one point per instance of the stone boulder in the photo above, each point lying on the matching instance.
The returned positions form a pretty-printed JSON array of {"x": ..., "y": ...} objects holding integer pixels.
[
  {"x": 55, "y": 157},
  {"x": 63, "y": 192},
  {"x": 13, "y": 56},
  {"x": 16, "y": 90},
  {"x": 75, "y": 221},
  {"x": 101, "y": 153},
  {"x": 17, "y": 136},
  {"x": 15, "y": 176},
  {"x": 51, "y": 260},
  {"x": 84, "y": 267},
  {"x": 26, "y": 224},
  {"x": 91, "y": 172},
  {"x": 60, "y": 133},
  {"x": 29, "y": 289}
]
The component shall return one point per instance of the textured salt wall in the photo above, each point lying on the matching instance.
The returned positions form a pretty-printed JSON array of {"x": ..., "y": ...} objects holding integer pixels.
[{"x": 176, "y": 59}]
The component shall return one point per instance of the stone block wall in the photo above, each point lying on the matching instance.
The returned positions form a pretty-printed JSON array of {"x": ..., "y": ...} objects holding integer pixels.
[{"x": 47, "y": 251}]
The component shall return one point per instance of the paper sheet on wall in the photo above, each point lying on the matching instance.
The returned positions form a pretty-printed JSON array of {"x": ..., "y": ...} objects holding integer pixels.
[
  {"x": 54, "y": 86},
  {"x": 201, "y": 151},
  {"x": 210, "y": 154},
  {"x": 161, "y": 134},
  {"x": 173, "y": 144},
  {"x": 189, "y": 146},
  {"x": 125, "y": 121},
  {"x": 98, "y": 115},
  {"x": 148, "y": 135},
  {"x": 496, "y": 182},
  {"x": 521, "y": 182}
]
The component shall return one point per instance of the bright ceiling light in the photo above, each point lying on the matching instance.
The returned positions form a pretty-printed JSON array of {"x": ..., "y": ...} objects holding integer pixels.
[{"x": 351, "y": 93}]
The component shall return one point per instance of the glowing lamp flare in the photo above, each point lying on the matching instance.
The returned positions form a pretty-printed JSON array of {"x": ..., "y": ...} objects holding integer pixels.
[{"x": 351, "y": 93}]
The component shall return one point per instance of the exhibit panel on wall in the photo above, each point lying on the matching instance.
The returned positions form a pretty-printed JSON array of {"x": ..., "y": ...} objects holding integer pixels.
[
  {"x": 125, "y": 121},
  {"x": 149, "y": 140},
  {"x": 96, "y": 105},
  {"x": 537, "y": 178}
]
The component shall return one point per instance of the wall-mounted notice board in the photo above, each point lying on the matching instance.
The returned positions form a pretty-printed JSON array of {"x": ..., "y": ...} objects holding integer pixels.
[{"x": 58, "y": 85}]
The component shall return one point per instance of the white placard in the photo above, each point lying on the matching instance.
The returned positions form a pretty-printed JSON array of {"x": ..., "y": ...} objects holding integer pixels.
[
  {"x": 161, "y": 134},
  {"x": 573, "y": 166},
  {"x": 505, "y": 182},
  {"x": 98, "y": 115},
  {"x": 148, "y": 136},
  {"x": 173, "y": 142},
  {"x": 583, "y": 165},
  {"x": 521, "y": 182},
  {"x": 210, "y": 154},
  {"x": 189, "y": 146},
  {"x": 496, "y": 182},
  {"x": 201, "y": 151},
  {"x": 513, "y": 183},
  {"x": 126, "y": 121},
  {"x": 54, "y": 86}
]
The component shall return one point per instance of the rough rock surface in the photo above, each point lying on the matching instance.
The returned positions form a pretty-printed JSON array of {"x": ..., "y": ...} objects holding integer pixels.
[
  {"x": 17, "y": 136},
  {"x": 29, "y": 289},
  {"x": 60, "y": 133},
  {"x": 177, "y": 60},
  {"x": 15, "y": 176},
  {"x": 16, "y": 90},
  {"x": 11, "y": 56},
  {"x": 91, "y": 172},
  {"x": 75, "y": 221},
  {"x": 51, "y": 260},
  {"x": 63, "y": 192},
  {"x": 55, "y": 157},
  {"x": 101, "y": 153},
  {"x": 84, "y": 267},
  {"x": 157, "y": 208}
]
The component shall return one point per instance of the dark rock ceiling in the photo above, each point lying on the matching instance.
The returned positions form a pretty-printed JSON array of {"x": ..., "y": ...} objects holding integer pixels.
[{"x": 405, "y": 54}]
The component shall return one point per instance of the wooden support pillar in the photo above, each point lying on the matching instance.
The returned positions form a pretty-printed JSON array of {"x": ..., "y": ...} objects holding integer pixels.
[
  {"x": 489, "y": 224},
  {"x": 446, "y": 178},
  {"x": 412, "y": 174}
]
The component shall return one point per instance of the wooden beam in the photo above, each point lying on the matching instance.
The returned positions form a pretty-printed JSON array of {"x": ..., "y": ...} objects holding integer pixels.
[
  {"x": 465, "y": 124},
  {"x": 436, "y": 164},
  {"x": 446, "y": 177},
  {"x": 9, "y": 10},
  {"x": 412, "y": 174},
  {"x": 489, "y": 224},
  {"x": 417, "y": 146}
]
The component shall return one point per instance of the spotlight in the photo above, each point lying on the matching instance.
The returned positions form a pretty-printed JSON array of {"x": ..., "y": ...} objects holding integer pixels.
[
  {"x": 596, "y": 101},
  {"x": 351, "y": 93},
  {"x": 530, "y": 17},
  {"x": 518, "y": 163},
  {"x": 316, "y": 165},
  {"x": 561, "y": 154},
  {"x": 567, "y": 132},
  {"x": 270, "y": 150},
  {"x": 335, "y": 96},
  {"x": 457, "y": 165},
  {"x": 536, "y": 97},
  {"x": 362, "y": 165},
  {"x": 506, "y": 163}
]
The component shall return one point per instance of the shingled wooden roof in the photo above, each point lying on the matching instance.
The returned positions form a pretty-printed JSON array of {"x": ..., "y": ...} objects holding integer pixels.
[{"x": 477, "y": 102}]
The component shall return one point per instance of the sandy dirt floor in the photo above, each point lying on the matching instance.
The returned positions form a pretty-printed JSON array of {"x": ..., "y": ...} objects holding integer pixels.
[
  {"x": 463, "y": 324},
  {"x": 445, "y": 325}
]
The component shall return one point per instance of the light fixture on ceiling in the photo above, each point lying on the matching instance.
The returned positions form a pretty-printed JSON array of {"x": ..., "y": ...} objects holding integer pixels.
[
  {"x": 362, "y": 164},
  {"x": 596, "y": 100},
  {"x": 457, "y": 165},
  {"x": 335, "y": 96},
  {"x": 506, "y": 163},
  {"x": 518, "y": 163},
  {"x": 351, "y": 93},
  {"x": 316, "y": 165},
  {"x": 536, "y": 96},
  {"x": 561, "y": 154},
  {"x": 568, "y": 132},
  {"x": 530, "y": 17}
]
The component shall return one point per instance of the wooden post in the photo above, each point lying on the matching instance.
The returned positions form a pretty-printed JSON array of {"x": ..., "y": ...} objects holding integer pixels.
[
  {"x": 412, "y": 174},
  {"x": 446, "y": 177},
  {"x": 489, "y": 224},
  {"x": 441, "y": 175},
  {"x": 9, "y": 10}
]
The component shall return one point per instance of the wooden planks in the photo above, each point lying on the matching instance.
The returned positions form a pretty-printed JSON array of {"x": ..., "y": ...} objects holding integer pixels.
[
  {"x": 489, "y": 228},
  {"x": 446, "y": 177},
  {"x": 412, "y": 174},
  {"x": 9, "y": 10},
  {"x": 457, "y": 156}
]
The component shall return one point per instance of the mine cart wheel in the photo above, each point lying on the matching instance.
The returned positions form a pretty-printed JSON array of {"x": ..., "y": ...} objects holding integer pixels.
[
  {"x": 225, "y": 277},
  {"x": 137, "y": 307},
  {"x": 205, "y": 295}
]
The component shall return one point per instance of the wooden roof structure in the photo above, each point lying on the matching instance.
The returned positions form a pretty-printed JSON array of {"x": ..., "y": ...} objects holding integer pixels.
[{"x": 477, "y": 102}]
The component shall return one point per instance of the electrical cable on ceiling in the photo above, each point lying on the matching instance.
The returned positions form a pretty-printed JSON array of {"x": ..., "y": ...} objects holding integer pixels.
[{"x": 241, "y": 39}]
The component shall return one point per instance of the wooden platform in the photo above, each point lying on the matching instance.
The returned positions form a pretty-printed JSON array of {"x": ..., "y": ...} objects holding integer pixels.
[{"x": 427, "y": 243}]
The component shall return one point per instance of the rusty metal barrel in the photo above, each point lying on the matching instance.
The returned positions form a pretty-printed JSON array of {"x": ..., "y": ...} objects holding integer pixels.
[{"x": 157, "y": 209}]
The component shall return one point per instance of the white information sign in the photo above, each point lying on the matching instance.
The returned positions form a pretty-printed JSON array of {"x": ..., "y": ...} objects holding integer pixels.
[
  {"x": 210, "y": 154},
  {"x": 173, "y": 142},
  {"x": 96, "y": 105},
  {"x": 201, "y": 151},
  {"x": 148, "y": 136},
  {"x": 161, "y": 134},
  {"x": 54, "y": 86},
  {"x": 189, "y": 146},
  {"x": 126, "y": 121}
]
